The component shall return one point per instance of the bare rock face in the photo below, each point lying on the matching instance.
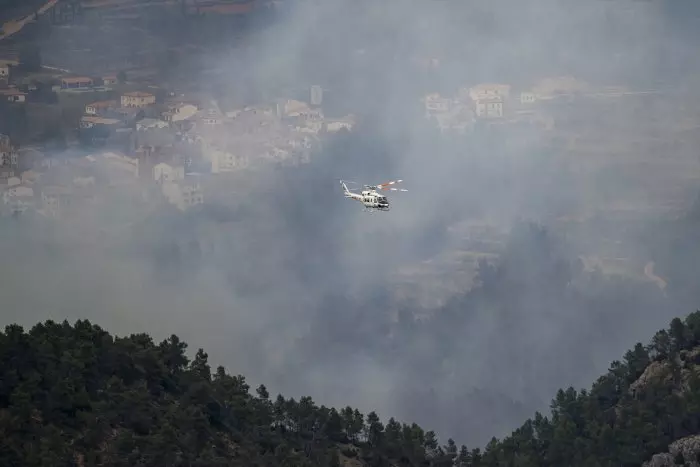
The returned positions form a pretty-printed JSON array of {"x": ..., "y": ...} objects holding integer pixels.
[
  {"x": 685, "y": 451},
  {"x": 686, "y": 448},
  {"x": 689, "y": 448},
  {"x": 660, "y": 460},
  {"x": 689, "y": 363},
  {"x": 655, "y": 370}
]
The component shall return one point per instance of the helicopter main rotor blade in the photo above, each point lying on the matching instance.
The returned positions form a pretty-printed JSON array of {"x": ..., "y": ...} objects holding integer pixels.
[
  {"x": 395, "y": 189},
  {"x": 393, "y": 182}
]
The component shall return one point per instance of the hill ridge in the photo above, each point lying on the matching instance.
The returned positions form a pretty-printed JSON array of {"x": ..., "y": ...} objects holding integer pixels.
[
  {"x": 74, "y": 395},
  {"x": 77, "y": 396},
  {"x": 644, "y": 411}
]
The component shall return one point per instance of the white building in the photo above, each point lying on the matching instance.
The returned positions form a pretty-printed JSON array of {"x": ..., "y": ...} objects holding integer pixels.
[
  {"x": 137, "y": 99},
  {"x": 9, "y": 158},
  {"x": 528, "y": 97},
  {"x": 488, "y": 99},
  {"x": 13, "y": 95},
  {"x": 54, "y": 199},
  {"x": 96, "y": 108},
  {"x": 17, "y": 191},
  {"x": 18, "y": 198},
  {"x": 291, "y": 108},
  {"x": 489, "y": 108},
  {"x": 335, "y": 125},
  {"x": 298, "y": 114},
  {"x": 316, "y": 97},
  {"x": 163, "y": 173},
  {"x": 184, "y": 193},
  {"x": 179, "y": 112},
  {"x": 149, "y": 123},
  {"x": 109, "y": 80},
  {"x": 225, "y": 160},
  {"x": 435, "y": 104},
  {"x": 210, "y": 117},
  {"x": 489, "y": 91},
  {"x": 310, "y": 125}
]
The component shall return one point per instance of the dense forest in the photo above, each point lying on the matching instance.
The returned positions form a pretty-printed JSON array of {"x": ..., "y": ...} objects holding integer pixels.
[
  {"x": 644, "y": 403},
  {"x": 73, "y": 395}
]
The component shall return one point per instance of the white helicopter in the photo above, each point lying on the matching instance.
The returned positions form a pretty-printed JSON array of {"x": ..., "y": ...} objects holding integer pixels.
[{"x": 370, "y": 197}]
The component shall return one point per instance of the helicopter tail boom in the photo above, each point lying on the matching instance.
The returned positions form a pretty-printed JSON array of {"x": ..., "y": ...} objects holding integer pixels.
[
  {"x": 346, "y": 191},
  {"x": 345, "y": 187}
]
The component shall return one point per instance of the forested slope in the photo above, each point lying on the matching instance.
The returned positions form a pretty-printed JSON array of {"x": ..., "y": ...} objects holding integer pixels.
[
  {"x": 77, "y": 396},
  {"x": 647, "y": 404}
]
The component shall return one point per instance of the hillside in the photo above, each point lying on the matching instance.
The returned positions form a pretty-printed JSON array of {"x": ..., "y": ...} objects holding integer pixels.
[
  {"x": 77, "y": 396},
  {"x": 644, "y": 411}
]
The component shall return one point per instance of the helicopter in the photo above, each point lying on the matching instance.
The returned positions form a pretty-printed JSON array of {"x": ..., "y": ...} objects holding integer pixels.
[{"x": 372, "y": 199}]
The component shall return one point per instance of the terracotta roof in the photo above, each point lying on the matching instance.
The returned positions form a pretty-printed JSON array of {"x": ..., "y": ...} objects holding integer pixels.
[
  {"x": 76, "y": 79},
  {"x": 138, "y": 94},
  {"x": 176, "y": 104},
  {"x": 102, "y": 104},
  {"x": 12, "y": 92},
  {"x": 100, "y": 120},
  {"x": 129, "y": 111}
]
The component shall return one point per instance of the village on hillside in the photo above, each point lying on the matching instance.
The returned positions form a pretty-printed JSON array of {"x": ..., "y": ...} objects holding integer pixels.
[
  {"x": 135, "y": 127},
  {"x": 499, "y": 103},
  {"x": 81, "y": 124},
  {"x": 592, "y": 129},
  {"x": 171, "y": 142},
  {"x": 178, "y": 140}
]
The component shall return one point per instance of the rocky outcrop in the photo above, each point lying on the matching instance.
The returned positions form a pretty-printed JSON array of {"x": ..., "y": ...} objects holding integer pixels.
[
  {"x": 660, "y": 460},
  {"x": 684, "y": 452},
  {"x": 689, "y": 448},
  {"x": 654, "y": 371},
  {"x": 687, "y": 361}
]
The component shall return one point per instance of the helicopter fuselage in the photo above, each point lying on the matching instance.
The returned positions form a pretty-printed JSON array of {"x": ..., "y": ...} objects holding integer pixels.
[{"x": 371, "y": 199}]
